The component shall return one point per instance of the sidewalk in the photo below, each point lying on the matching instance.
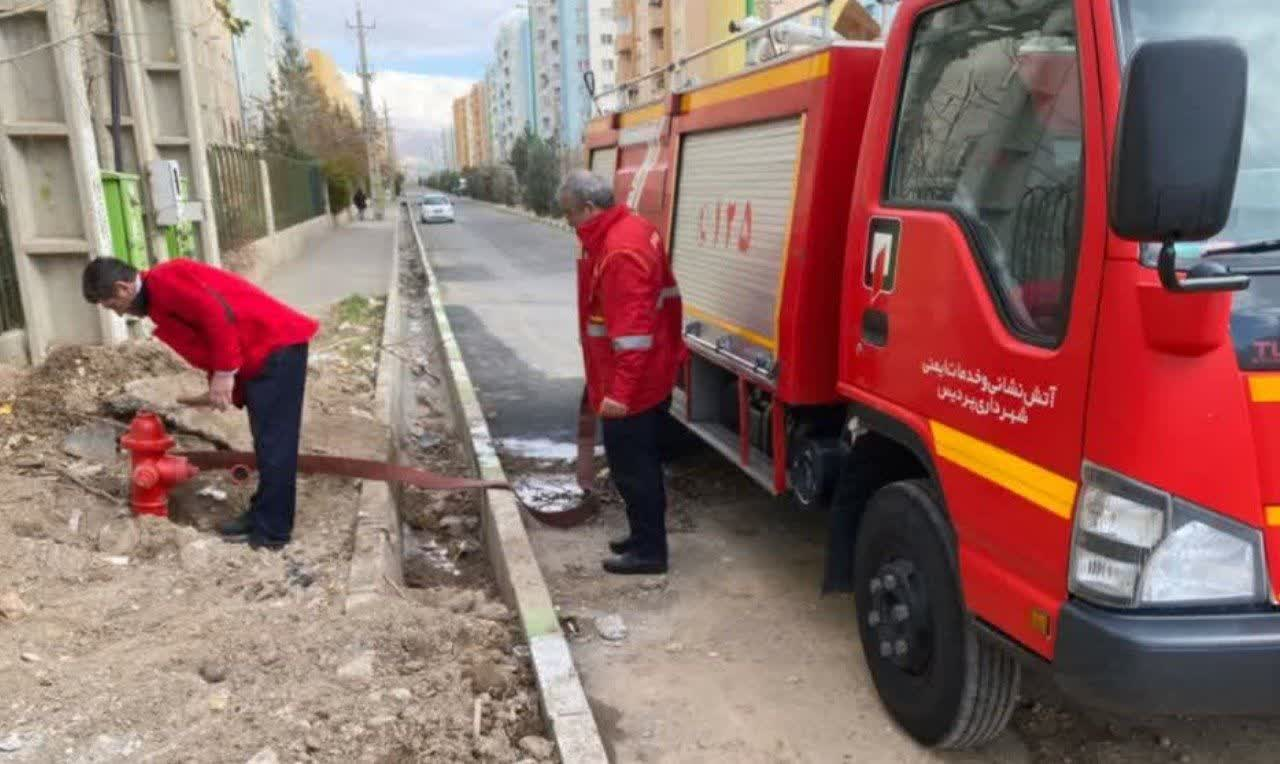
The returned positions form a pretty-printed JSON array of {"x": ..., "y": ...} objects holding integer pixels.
[{"x": 353, "y": 259}]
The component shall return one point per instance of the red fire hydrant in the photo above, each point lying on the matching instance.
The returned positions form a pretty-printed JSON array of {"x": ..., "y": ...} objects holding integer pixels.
[{"x": 154, "y": 473}]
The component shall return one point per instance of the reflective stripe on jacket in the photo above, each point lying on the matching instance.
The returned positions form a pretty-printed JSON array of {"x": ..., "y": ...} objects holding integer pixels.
[{"x": 629, "y": 312}]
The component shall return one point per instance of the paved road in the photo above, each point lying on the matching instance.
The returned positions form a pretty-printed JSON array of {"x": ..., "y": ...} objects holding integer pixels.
[
  {"x": 509, "y": 286},
  {"x": 734, "y": 656}
]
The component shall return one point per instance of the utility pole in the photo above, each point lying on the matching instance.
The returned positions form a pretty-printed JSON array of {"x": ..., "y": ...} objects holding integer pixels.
[
  {"x": 391, "y": 144},
  {"x": 370, "y": 122}
]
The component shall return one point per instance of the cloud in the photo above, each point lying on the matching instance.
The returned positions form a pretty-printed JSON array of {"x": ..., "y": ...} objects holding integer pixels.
[
  {"x": 417, "y": 101},
  {"x": 405, "y": 31}
]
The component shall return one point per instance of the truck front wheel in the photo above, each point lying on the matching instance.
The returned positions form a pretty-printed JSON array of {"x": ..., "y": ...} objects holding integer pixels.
[{"x": 938, "y": 681}]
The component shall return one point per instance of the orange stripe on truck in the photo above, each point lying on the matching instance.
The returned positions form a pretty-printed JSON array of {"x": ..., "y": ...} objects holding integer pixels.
[
  {"x": 771, "y": 79},
  {"x": 1264, "y": 388}
]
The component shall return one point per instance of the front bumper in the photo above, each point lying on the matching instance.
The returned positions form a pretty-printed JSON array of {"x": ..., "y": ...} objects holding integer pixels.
[
  {"x": 1219, "y": 664},
  {"x": 436, "y": 218}
]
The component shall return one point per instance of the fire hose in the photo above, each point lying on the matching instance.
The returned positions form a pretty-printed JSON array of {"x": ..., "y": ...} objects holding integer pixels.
[
  {"x": 241, "y": 462},
  {"x": 155, "y": 471}
]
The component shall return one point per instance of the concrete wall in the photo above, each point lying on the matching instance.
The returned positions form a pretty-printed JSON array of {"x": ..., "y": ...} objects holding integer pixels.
[
  {"x": 255, "y": 261},
  {"x": 13, "y": 347}
]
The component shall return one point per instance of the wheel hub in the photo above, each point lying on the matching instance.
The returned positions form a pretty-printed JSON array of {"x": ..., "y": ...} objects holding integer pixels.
[
  {"x": 804, "y": 479},
  {"x": 898, "y": 618}
]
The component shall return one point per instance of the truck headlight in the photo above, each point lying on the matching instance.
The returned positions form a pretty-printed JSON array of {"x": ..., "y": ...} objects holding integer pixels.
[{"x": 1137, "y": 546}]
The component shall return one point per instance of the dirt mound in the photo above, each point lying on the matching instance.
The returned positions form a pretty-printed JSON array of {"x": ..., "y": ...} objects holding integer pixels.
[{"x": 75, "y": 379}]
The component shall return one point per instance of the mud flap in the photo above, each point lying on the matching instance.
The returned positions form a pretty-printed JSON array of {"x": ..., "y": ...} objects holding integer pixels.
[{"x": 857, "y": 481}]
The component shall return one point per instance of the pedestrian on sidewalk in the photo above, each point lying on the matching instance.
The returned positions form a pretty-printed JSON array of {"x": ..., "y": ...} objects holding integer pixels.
[
  {"x": 254, "y": 349},
  {"x": 629, "y": 316},
  {"x": 361, "y": 201}
]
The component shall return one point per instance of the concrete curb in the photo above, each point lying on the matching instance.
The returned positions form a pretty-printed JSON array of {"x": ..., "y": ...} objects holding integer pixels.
[
  {"x": 376, "y": 569},
  {"x": 564, "y": 702}
]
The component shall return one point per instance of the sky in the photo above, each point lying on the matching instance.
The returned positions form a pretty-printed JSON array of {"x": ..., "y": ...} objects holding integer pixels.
[{"x": 424, "y": 53}]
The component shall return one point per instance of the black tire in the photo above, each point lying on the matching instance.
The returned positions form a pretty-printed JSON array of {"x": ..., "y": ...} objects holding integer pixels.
[{"x": 940, "y": 683}]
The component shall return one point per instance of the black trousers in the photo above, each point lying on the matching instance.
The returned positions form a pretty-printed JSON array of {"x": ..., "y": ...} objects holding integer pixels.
[
  {"x": 274, "y": 399},
  {"x": 631, "y": 445}
]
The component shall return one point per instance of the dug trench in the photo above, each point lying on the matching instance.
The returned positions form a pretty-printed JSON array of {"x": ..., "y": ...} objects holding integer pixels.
[{"x": 125, "y": 639}]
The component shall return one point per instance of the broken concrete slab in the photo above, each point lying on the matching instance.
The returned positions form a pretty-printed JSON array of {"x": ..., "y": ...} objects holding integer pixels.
[
  {"x": 98, "y": 441},
  {"x": 163, "y": 393}
]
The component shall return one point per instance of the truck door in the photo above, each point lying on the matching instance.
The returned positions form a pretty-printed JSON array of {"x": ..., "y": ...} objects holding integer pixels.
[{"x": 975, "y": 302}]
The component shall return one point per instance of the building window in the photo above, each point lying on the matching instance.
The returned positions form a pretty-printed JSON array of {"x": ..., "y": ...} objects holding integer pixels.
[
  {"x": 606, "y": 39},
  {"x": 607, "y": 64}
]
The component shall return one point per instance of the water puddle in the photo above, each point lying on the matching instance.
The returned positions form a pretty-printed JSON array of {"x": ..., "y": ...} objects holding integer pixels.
[
  {"x": 549, "y": 493},
  {"x": 542, "y": 448}
]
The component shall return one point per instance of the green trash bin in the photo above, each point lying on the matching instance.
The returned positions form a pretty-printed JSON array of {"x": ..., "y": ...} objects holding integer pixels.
[{"x": 125, "y": 216}]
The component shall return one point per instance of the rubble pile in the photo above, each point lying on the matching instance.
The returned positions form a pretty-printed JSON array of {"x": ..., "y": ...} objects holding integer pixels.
[{"x": 152, "y": 639}]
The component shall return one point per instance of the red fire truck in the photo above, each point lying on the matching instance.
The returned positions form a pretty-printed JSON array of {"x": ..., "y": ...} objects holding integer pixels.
[{"x": 997, "y": 293}]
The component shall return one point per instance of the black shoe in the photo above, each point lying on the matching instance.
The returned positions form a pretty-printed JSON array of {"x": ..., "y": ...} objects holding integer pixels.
[
  {"x": 621, "y": 545},
  {"x": 631, "y": 564},
  {"x": 238, "y": 527}
]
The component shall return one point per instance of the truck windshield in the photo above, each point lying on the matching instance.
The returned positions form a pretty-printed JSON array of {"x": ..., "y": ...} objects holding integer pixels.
[{"x": 1255, "y": 213}]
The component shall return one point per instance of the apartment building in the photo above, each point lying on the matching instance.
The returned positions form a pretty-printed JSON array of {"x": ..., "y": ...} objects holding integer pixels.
[
  {"x": 602, "y": 35},
  {"x": 479, "y": 147},
  {"x": 510, "y": 84},
  {"x": 644, "y": 43},
  {"x": 548, "y": 68}
]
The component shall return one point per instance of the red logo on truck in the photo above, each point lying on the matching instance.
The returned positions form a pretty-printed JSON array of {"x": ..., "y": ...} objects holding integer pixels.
[{"x": 725, "y": 224}]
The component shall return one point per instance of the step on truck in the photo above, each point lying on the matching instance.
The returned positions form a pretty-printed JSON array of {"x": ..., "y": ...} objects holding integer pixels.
[{"x": 1000, "y": 292}]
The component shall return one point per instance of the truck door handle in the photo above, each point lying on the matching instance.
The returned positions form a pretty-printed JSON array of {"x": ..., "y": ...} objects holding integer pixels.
[{"x": 875, "y": 327}]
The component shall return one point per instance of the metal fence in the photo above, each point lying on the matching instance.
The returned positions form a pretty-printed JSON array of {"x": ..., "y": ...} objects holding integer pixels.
[
  {"x": 11, "y": 316},
  {"x": 297, "y": 190},
  {"x": 239, "y": 203}
]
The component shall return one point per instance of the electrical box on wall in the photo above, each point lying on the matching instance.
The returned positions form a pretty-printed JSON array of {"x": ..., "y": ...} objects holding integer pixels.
[{"x": 168, "y": 196}]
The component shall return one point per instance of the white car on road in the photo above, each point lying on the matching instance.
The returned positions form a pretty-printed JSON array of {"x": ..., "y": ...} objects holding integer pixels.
[{"x": 435, "y": 208}]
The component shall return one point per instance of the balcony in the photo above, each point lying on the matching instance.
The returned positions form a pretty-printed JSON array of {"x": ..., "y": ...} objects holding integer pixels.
[{"x": 625, "y": 43}]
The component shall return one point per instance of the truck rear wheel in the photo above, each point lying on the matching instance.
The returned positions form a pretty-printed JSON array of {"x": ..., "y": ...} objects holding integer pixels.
[{"x": 938, "y": 681}]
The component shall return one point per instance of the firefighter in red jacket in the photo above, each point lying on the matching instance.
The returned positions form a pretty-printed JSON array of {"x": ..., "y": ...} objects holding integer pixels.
[
  {"x": 629, "y": 316},
  {"x": 254, "y": 349}
]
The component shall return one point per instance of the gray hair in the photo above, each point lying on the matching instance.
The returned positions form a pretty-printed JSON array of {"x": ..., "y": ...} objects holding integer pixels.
[{"x": 583, "y": 187}]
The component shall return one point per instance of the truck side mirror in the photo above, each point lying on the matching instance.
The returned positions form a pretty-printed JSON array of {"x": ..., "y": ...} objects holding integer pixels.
[{"x": 1177, "y": 151}]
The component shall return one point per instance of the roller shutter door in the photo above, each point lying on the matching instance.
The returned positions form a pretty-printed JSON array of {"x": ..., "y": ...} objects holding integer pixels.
[
  {"x": 604, "y": 162},
  {"x": 733, "y": 206}
]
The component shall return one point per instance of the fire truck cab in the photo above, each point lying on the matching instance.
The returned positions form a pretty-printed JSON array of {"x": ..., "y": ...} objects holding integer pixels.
[{"x": 1000, "y": 294}]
